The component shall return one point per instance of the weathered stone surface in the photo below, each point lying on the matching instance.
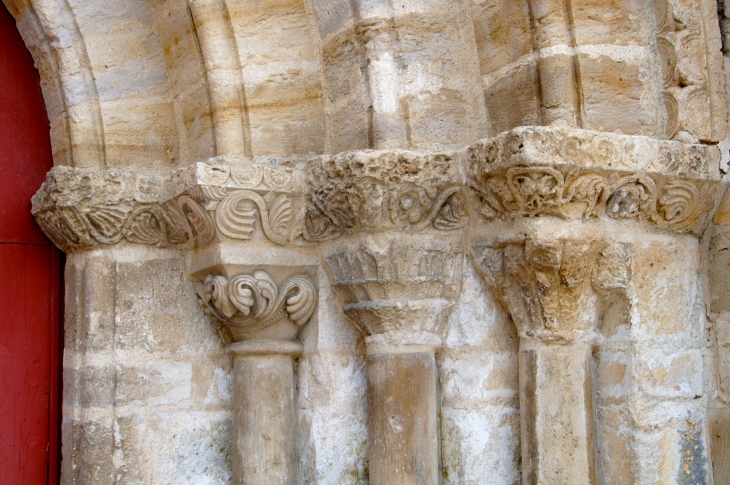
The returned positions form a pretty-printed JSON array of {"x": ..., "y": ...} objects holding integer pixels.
[{"x": 369, "y": 145}]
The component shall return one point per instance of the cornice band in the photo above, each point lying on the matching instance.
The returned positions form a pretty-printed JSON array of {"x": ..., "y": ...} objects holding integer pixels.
[{"x": 526, "y": 172}]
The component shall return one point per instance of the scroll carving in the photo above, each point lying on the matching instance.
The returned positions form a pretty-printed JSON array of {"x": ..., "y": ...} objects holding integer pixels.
[
  {"x": 693, "y": 103},
  {"x": 527, "y": 172},
  {"x": 380, "y": 190},
  {"x": 247, "y": 303},
  {"x": 524, "y": 191}
]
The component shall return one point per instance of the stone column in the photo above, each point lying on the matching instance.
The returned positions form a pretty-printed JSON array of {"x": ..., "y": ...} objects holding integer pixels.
[
  {"x": 264, "y": 321},
  {"x": 570, "y": 222},
  {"x": 399, "y": 294},
  {"x": 553, "y": 290},
  {"x": 397, "y": 271}
]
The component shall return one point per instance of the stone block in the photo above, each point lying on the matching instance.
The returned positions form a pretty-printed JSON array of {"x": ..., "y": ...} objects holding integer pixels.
[
  {"x": 176, "y": 33},
  {"x": 678, "y": 375},
  {"x": 503, "y": 33},
  {"x": 719, "y": 423},
  {"x": 157, "y": 311},
  {"x": 613, "y": 376},
  {"x": 198, "y": 123},
  {"x": 95, "y": 386},
  {"x": 129, "y": 456},
  {"x": 719, "y": 273},
  {"x": 153, "y": 383},
  {"x": 188, "y": 448},
  {"x": 722, "y": 214},
  {"x": 139, "y": 134},
  {"x": 666, "y": 282},
  {"x": 472, "y": 378},
  {"x": 722, "y": 332},
  {"x": 619, "y": 22},
  {"x": 616, "y": 460},
  {"x": 514, "y": 99},
  {"x": 93, "y": 452},
  {"x": 480, "y": 445},
  {"x": 613, "y": 94}
]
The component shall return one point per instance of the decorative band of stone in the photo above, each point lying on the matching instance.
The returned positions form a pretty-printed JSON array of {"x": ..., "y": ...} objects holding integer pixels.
[
  {"x": 525, "y": 172},
  {"x": 266, "y": 347}
]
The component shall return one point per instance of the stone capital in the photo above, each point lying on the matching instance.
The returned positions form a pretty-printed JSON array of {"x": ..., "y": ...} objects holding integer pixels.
[
  {"x": 397, "y": 291},
  {"x": 254, "y": 307},
  {"x": 394, "y": 190},
  {"x": 556, "y": 290}
]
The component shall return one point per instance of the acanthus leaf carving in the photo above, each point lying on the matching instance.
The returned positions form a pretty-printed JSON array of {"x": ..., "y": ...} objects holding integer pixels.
[{"x": 247, "y": 303}]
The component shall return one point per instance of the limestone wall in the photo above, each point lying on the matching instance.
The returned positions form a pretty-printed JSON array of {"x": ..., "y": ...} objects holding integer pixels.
[{"x": 527, "y": 193}]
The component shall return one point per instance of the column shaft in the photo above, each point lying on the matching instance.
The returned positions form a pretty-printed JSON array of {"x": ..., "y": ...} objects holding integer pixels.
[
  {"x": 556, "y": 414},
  {"x": 264, "y": 420},
  {"x": 402, "y": 396}
]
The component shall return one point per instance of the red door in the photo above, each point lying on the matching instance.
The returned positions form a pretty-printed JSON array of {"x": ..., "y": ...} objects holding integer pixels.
[{"x": 29, "y": 277}]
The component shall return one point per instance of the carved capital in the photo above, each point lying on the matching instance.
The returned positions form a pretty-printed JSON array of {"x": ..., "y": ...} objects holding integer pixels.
[
  {"x": 556, "y": 290},
  {"x": 580, "y": 174},
  {"x": 383, "y": 190},
  {"x": 398, "y": 289},
  {"x": 253, "y": 306}
]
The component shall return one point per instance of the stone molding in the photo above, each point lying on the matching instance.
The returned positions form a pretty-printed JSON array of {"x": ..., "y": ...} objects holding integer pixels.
[
  {"x": 526, "y": 172},
  {"x": 249, "y": 303}
]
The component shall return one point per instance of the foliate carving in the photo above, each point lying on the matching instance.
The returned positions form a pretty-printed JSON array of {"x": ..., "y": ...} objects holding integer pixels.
[
  {"x": 82, "y": 208},
  {"x": 381, "y": 288},
  {"x": 247, "y": 303},
  {"x": 510, "y": 180},
  {"x": 526, "y": 172},
  {"x": 555, "y": 290},
  {"x": 85, "y": 208},
  {"x": 532, "y": 191},
  {"x": 379, "y": 190}
]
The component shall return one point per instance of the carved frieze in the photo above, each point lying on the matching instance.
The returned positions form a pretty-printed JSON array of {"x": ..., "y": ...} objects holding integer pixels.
[
  {"x": 578, "y": 174},
  {"x": 527, "y": 172},
  {"x": 86, "y": 208},
  {"x": 380, "y": 190},
  {"x": 249, "y": 303}
]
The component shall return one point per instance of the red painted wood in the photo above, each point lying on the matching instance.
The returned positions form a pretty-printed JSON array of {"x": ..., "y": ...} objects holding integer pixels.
[
  {"x": 30, "y": 281},
  {"x": 25, "y": 143}
]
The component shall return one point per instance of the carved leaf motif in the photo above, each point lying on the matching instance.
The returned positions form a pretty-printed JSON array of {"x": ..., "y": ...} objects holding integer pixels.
[
  {"x": 107, "y": 223},
  {"x": 257, "y": 298},
  {"x": 236, "y": 221},
  {"x": 317, "y": 226},
  {"x": 451, "y": 215},
  {"x": 280, "y": 215},
  {"x": 199, "y": 219},
  {"x": 147, "y": 226}
]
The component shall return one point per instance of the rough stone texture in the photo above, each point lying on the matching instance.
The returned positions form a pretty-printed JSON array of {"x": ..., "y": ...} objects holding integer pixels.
[{"x": 378, "y": 147}]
